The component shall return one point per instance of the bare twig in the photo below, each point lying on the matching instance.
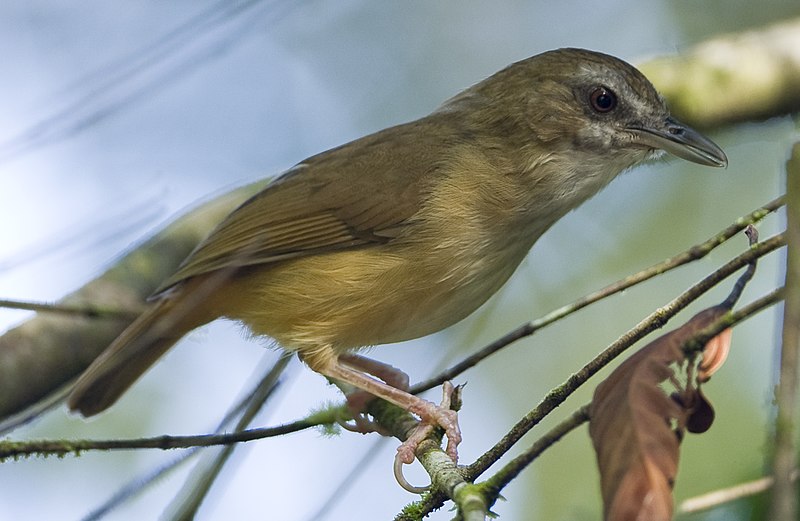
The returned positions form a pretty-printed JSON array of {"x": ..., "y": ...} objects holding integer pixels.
[
  {"x": 558, "y": 395},
  {"x": 138, "y": 483},
  {"x": 650, "y": 323},
  {"x": 744, "y": 278},
  {"x": 85, "y": 311},
  {"x": 510, "y": 470},
  {"x": 726, "y": 495},
  {"x": 186, "y": 504},
  {"x": 513, "y": 468},
  {"x": 18, "y": 449}
]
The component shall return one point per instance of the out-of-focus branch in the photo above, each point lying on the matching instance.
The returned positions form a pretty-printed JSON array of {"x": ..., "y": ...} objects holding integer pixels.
[
  {"x": 49, "y": 350},
  {"x": 726, "y": 495},
  {"x": 739, "y": 77},
  {"x": 784, "y": 496}
]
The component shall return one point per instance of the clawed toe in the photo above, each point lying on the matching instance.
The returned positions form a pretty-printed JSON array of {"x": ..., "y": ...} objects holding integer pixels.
[
  {"x": 357, "y": 403},
  {"x": 432, "y": 416},
  {"x": 401, "y": 479}
]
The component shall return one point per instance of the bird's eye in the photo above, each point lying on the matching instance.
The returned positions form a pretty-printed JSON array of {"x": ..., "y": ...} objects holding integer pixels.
[{"x": 603, "y": 99}]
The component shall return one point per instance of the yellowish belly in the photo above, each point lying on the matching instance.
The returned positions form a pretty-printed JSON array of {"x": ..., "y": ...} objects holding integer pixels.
[{"x": 358, "y": 298}]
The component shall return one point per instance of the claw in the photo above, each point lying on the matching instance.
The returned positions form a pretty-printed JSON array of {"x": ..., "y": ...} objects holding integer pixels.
[
  {"x": 357, "y": 402},
  {"x": 401, "y": 479},
  {"x": 432, "y": 416},
  {"x": 361, "y": 424},
  {"x": 356, "y": 370}
]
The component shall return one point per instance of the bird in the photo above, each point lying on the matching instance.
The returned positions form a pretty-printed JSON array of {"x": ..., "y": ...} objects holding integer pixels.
[{"x": 406, "y": 231}]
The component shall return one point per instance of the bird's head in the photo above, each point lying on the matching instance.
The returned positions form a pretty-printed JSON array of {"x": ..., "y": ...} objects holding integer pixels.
[{"x": 594, "y": 104}]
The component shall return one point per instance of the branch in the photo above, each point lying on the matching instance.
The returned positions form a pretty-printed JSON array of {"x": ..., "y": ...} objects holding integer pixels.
[
  {"x": 494, "y": 485},
  {"x": 85, "y": 311},
  {"x": 726, "y": 495},
  {"x": 447, "y": 479},
  {"x": 655, "y": 320},
  {"x": 650, "y": 323},
  {"x": 46, "y": 352},
  {"x": 784, "y": 498},
  {"x": 741, "y": 77},
  {"x": 137, "y": 484},
  {"x": 18, "y": 449}
]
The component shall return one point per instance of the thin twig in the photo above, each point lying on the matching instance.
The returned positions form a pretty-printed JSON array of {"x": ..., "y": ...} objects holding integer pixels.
[
  {"x": 650, "y": 323},
  {"x": 17, "y": 449},
  {"x": 86, "y": 311},
  {"x": 511, "y": 470},
  {"x": 189, "y": 499},
  {"x": 556, "y": 397},
  {"x": 744, "y": 278},
  {"x": 694, "y": 253},
  {"x": 726, "y": 495},
  {"x": 730, "y": 319},
  {"x": 504, "y": 476},
  {"x": 138, "y": 483}
]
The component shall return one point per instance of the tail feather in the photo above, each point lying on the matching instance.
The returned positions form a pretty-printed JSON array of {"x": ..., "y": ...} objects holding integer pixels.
[{"x": 136, "y": 349}]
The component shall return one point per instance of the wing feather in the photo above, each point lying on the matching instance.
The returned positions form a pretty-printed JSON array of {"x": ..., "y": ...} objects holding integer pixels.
[{"x": 328, "y": 202}]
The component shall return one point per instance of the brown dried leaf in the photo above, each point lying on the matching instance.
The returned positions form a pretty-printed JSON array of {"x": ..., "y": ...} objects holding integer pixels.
[
  {"x": 701, "y": 415},
  {"x": 714, "y": 355},
  {"x": 636, "y": 427}
]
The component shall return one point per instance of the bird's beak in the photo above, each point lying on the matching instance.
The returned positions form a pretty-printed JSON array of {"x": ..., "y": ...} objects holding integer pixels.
[{"x": 682, "y": 141}]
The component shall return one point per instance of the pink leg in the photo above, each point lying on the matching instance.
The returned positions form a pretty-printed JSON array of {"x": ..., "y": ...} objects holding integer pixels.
[
  {"x": 430, "y": 414},
  {"x": 388, "y": 373},
  {"x": 358, "y": 401}
]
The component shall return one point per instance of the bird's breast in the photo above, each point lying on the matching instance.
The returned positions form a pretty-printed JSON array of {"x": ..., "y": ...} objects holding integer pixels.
[{"x": 373, "y": 295}]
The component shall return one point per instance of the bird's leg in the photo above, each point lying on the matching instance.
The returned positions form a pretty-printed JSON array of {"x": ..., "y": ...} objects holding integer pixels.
[
  {"x": 432, "y": 415},
  {"x": 399, "y": 380},
  {"x": 357, "y": 401},
  {"x": 388, "y": 373}
]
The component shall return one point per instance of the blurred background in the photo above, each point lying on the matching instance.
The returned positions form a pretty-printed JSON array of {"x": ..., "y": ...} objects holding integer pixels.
[{"x": 117, "y": 116}]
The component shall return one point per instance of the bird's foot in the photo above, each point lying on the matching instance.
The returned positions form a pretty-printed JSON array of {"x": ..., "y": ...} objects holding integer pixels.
[
  {"x": 391, "y": 385},
  {"x": 432, "y": 416},
  {"x": 357, "y": 403}
]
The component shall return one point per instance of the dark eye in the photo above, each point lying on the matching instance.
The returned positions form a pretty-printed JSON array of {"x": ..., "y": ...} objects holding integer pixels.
[{"x": 603, "y": 99}]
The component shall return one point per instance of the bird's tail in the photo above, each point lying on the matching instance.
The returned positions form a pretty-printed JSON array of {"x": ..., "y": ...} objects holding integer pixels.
[{"x": 133, "y": 352}]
